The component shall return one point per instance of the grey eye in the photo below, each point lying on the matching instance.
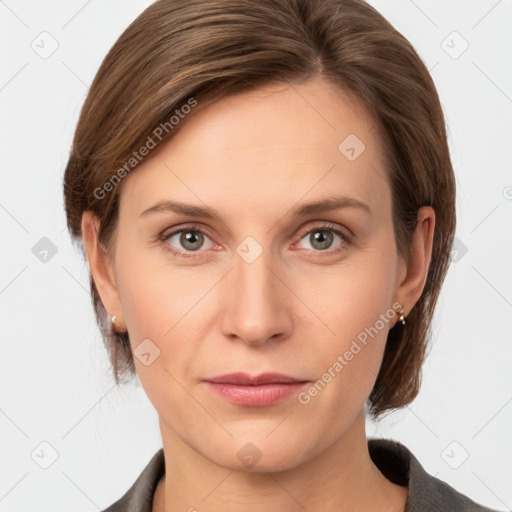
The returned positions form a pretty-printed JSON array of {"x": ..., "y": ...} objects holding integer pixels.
[
  {"x": 188, "y": 240},
  {"x": 321, "y": 239}
]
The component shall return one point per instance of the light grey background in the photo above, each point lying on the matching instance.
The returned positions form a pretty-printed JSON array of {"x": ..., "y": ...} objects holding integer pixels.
[{"x": 55, "y": 381}]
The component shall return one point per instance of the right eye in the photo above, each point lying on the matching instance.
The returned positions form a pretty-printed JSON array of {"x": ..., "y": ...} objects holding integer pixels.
[{"x": 185, "y": 240}]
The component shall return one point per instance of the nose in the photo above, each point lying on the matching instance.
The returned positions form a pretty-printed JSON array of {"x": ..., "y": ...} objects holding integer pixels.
[{"x": 257, "y": 303}]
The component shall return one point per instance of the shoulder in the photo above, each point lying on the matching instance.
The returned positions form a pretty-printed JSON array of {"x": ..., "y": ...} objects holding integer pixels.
[
  {"x": 426, "y": 492},
  {"x": 139, "y": 497}
]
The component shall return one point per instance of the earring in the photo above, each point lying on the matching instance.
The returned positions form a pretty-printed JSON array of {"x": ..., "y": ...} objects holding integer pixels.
[
  {"x": 113, "y": 322},
  {"x": 402, "y": 317}
]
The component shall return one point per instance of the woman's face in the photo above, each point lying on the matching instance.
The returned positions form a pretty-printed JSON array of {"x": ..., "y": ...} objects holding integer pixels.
[{"x": 253, "y": 280}]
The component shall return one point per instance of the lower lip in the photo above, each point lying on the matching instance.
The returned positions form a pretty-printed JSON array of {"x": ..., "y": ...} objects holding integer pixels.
[{"x": 256, "y": 396}]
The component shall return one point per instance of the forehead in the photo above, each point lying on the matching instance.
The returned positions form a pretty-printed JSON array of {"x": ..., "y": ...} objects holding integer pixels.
[{"x": 270, "y": 145}]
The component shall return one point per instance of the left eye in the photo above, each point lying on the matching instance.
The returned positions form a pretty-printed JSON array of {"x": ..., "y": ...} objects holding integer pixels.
[
  {"x": 321, "y": 239},
  {"x": 189, "y": 239}
]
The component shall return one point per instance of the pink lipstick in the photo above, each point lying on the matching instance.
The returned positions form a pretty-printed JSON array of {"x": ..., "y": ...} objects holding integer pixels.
[{"x": 255, "y": 391}]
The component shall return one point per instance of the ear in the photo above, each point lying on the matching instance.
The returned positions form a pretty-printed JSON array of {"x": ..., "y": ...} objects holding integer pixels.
[
  {"x": 414, "y": 274},
  {"x": 101, "y": 267}
]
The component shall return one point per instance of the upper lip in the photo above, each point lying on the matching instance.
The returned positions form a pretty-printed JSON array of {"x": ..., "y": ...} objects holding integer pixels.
[{"x": 245, "y": 379}]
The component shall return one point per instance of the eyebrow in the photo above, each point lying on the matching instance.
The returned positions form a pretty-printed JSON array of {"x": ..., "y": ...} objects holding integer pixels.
[{"x": 301, "y": 210}]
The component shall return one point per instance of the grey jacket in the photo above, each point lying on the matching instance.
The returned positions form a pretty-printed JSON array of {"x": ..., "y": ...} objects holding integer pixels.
[{"x": 426, "y": 493}]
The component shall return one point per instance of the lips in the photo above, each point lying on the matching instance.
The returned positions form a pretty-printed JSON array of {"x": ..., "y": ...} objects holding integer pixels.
[
  {"x": 255, "y": 391},
  {"x": 245, "y": 379}
]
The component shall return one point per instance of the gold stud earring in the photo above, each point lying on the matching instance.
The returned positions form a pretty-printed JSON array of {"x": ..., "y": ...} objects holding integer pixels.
[{"x": 402, "y": 317}]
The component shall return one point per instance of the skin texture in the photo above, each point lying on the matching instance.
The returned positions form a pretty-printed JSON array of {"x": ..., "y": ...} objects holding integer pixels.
[{"x": 253, "y": 157}]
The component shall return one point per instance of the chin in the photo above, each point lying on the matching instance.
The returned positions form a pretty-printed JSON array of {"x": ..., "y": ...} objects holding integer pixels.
[
  {"x": 266, "y": 461},
  {"x": 258, "y": 452}
]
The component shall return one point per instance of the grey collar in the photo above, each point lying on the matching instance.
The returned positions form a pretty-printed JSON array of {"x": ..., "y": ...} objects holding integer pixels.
[{"x": 426, "y": 493}]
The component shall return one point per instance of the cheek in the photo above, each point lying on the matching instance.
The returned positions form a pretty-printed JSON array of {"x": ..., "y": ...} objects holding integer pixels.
[
  {"x": 351, "y": 296},
  {"x": 171, "y": 307},
  {"x": 354, "y": 306},
  {"x": 154, "y": 294},
  {"x": 158, "y": 304}
]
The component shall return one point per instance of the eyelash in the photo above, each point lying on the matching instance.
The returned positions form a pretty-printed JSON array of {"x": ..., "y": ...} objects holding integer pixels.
[{"x": 345, "y": 236}]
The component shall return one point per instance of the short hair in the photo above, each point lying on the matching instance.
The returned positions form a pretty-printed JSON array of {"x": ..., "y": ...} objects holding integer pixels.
[{"x": 210, "y": 49}]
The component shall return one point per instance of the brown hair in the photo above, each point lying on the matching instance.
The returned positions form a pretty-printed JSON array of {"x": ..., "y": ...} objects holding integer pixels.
[{"x": 209, "y": 49}]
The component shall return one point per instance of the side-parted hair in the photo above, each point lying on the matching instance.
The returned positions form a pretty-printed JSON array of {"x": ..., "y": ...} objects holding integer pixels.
[{"x": 180, "y": 53}]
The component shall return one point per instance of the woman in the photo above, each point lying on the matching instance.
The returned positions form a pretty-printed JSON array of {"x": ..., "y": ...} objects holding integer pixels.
[{"x": 266, "y": 200}]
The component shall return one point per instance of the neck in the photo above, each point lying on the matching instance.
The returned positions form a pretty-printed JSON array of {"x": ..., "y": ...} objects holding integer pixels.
[{"x": 343, "y": 477}]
